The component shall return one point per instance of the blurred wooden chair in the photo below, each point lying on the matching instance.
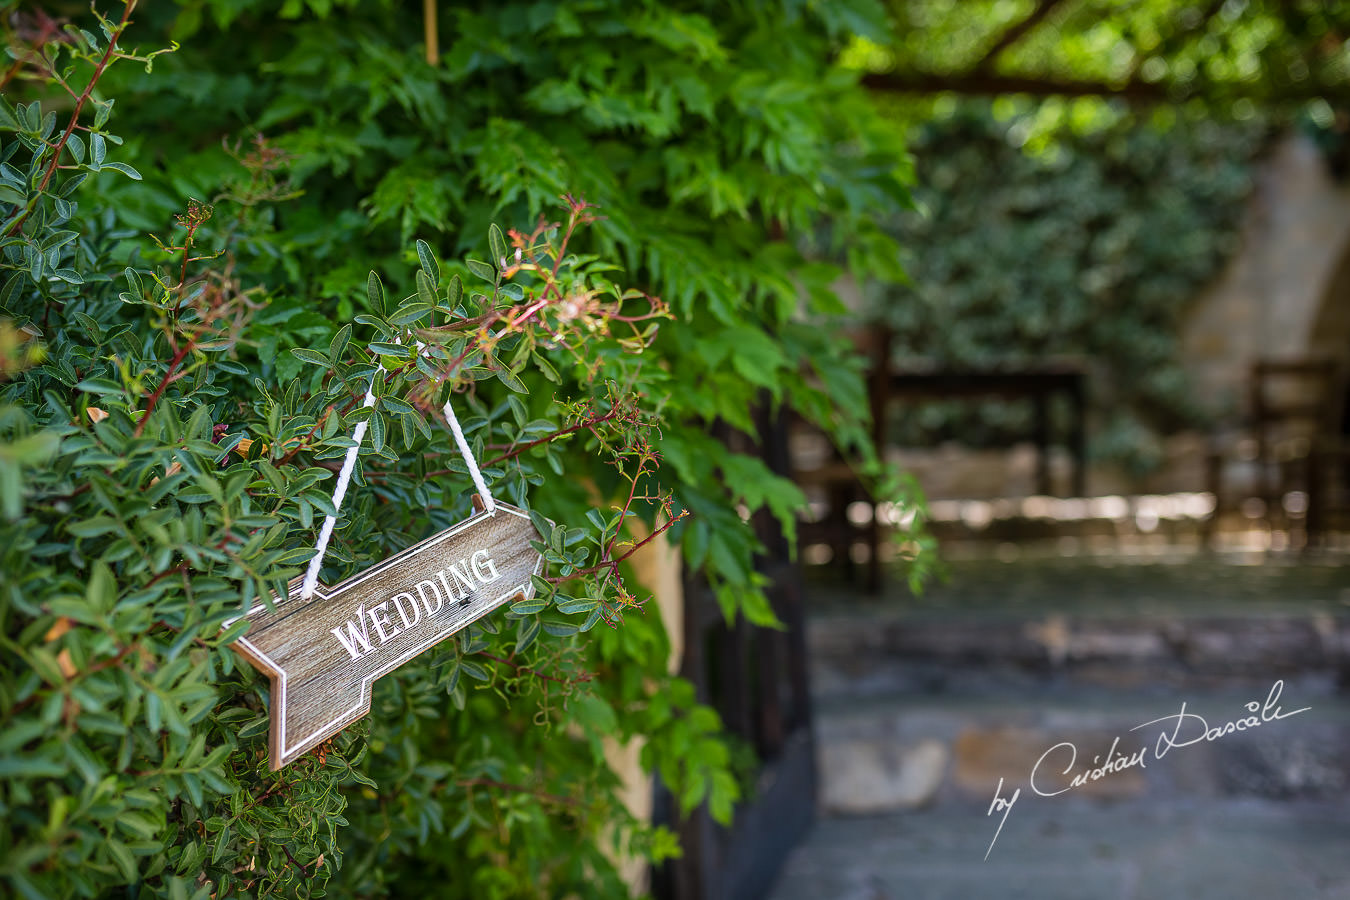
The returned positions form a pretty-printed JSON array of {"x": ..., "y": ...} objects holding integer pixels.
[
  {"x": 859, "y": 539},
  {"x": 1329, "y": 470},
  {"x": 1294, "y": 441}
]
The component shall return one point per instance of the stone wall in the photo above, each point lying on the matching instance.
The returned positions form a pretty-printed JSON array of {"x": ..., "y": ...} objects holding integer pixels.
[{"x": 1284, "y": 293}]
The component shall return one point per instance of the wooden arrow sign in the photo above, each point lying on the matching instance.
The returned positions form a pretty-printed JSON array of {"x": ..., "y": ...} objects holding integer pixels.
[{"x": 323, "y": 654}]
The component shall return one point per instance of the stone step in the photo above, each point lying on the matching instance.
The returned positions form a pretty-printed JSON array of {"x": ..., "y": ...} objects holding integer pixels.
[
  {"x": 911, "y": 751},
  {"x": 1007, "y": 651}
]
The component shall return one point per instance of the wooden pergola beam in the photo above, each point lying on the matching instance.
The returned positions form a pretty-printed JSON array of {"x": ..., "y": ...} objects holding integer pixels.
[
  {"x": 992, "y": 85},
  {"x": 982, "y": 83}
]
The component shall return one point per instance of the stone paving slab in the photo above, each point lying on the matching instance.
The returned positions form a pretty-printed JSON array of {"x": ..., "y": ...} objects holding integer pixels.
[
  {"x": 923, "y": 703},
  {"x": 1081, "y": 851},
  {"x": 877, "y": 756}
]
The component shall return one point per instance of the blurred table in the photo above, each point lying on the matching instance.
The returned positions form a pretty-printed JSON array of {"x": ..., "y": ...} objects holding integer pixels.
[{"x": 1038, "y": 384}]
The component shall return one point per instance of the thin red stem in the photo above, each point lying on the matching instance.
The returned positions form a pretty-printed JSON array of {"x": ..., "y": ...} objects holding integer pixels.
[
  {"x": 84, "y": 96},
  {"x": 108, "y": 56},
  {"x": 573, "y": 429},
  {"x": 612, "y": 565},
  {"x": 178, "y": 357},
  {"x": 536, "y": 673},
  {"x": 10, "y": 73},
  {"x": 628, "y": 504}
]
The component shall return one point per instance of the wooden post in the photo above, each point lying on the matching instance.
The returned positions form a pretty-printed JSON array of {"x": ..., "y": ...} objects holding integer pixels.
[
  {"x": 430, "y": 28},
  {"x": 1043, "y": 486},
  {"x": 1080, "y": 462}
]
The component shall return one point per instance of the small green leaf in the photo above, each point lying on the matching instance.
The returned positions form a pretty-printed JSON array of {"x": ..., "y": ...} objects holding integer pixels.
[
  {"x": 474, "y": 670},
  {"x": 413, "y": 312},
  {"x": 396, "y": 406},
  {"x": 518, "y": 411},
  {"x": 426, "y": 289},
  {"x": 591, "y": 620},
  {"x": 124, "y": 169},
  {"x": 98, "y": 151},
  {"x": 377, "y": 427},
  {"x": 375, "y": 293},
  {"x": 574, "y": 606},
  {"x": 256, "y": 727},
  {"x": 482, "y": 270},
  {"x": 76, "y": 147},
  {"x": 541, "y": 524},
  {"x": 339, "y": 343},
  {"x": 31, "y": 767},
  {"x": 137, "y": 824},
  {"x": 295, "y": 556},
  {"x": 559, "y": 629},
  {"x": 122, "y": 856},
  {"x": 526, "y": 632},
  {"x": 428, "y": 261},
  {"x": 99, "y": 386},
  {"x": 547, "y": 369},
  {"x": 101, "y": 592},
  {"x": 304, "y": 354},
  {"x": 497, "y": 244},
  {"x": 511, "y": 380},
  {"x": 70, "y": 184},
  {"x": 529, "y": 607}
]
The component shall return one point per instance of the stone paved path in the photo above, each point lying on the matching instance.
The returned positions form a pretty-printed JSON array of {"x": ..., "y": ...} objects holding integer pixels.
[
  {"x": 1249, "y": 816},
  {"x": 1241, "y": 849}
]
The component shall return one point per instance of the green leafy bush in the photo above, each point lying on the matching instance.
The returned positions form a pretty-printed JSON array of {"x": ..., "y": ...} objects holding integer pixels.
[{"x": 172, "y": 414}]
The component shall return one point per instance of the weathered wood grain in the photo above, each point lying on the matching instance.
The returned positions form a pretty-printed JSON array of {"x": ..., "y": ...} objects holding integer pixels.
[{"x": 323, "y": 654}]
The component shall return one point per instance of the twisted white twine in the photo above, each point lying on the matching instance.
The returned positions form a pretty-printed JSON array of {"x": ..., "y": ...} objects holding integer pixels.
[
  {"x": 488, "y": 503},
  {"x": 345, "y": 477}
]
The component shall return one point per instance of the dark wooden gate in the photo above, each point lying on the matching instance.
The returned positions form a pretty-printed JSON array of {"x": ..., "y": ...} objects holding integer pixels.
[{"x": 756, "y": 678}]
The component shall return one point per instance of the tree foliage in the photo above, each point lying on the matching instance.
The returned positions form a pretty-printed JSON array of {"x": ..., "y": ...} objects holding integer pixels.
[
  {"x": 1090, "y": 249},
  {"x": 1086, "y": 198},
  {"x": 172, "y": 412},
  {"x": 1220, "y": 53}
]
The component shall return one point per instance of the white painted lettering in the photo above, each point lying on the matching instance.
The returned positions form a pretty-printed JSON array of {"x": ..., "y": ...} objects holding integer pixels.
[
  {"x": 461, "y": 575},
  {"x": 355, "y": 638},
  {"x": 412, "y": 603},
  {"x": 421, "y": 592},
  {"x": 379, "y": 617},
  {"x": 486, "y": 564}
]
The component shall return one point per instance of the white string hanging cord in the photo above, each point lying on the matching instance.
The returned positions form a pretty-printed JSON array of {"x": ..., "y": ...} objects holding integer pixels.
[
  {"x": 349, "y": 464},
  {"x": 488, "y": 503}
]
